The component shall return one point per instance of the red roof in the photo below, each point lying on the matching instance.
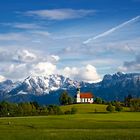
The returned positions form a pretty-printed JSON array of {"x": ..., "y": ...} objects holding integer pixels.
[{"x": 86, "y": 95}]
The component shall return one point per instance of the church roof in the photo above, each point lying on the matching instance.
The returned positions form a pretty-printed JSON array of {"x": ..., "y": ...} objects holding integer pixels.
[{"x": 86, "y": 95}]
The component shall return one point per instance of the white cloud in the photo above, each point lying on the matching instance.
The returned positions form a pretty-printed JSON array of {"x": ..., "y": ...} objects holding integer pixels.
[
  {"x": 43, "y": 68},
  {"x": 2, "y": 78},
  {"x": 13, "y": 37},
  {"x": 25, "y": 56},
  {"x": 60, "y": 14},
  {"x": 23, "y": 37},
  {"x": 26, "y": 26},
  {"x": 22, "y": 25},
  {"x": 18, "y": 64},
  {"x": 5, "y": 55},
  {"x": 17, "y": 55},
  {"x": 70, "y": 72},
  {"x": 131, "y": 65},
  {"x": 41, "y": 33},
  {"x": 16, "y": 71},
  {"x": 21, "y": 71},
  {"x": 87, "y": 74},
  {"x": 53, "y": 58}
]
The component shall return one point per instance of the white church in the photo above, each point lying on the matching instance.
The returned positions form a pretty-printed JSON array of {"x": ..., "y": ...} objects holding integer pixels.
[{"x": 86, "y": 97}]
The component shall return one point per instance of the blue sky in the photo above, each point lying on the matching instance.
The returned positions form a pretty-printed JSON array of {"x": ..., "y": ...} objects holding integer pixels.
[{"x": 92, "y": 37}]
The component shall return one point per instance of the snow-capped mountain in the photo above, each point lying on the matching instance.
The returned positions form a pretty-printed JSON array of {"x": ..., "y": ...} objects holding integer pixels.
[
  {"x": 46, "y": 89},
  {"x": 118, "y": 86},
  {"x": 37, "y": 85},
  {"x": 7, "y": 86}
]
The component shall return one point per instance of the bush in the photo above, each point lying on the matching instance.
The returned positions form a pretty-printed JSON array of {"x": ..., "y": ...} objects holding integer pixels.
[
  {"x": 54, "y": 110},
  {"x": 103, "y": 102},
  {"x": 67, "y": 112},
  {"x": 110, "y": 108},
  {"x": 113, "y": 103},
  {"x": 95, "y": 110},
  {"x": 98, "y": 100},
  {"x": 127, "y": 100},
  {"x": 118, "y": 107},
  {"x": 73, "y": 110},
  {"x": 43, "y": 111},
  {"x": 135, "y": 105}
]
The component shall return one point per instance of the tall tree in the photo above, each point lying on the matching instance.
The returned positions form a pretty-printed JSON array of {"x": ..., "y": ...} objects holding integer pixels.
[
  {"x": 110, "y": 108},
  {"x": 118, "y": 107},
  {"x": 127, "y": 100},
  {"x": 65, "y": 99},
  {"x": 135, "y": 104}
]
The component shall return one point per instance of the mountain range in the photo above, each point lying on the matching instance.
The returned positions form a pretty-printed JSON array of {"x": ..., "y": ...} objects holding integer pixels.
[{"x": 47, "y": 89}]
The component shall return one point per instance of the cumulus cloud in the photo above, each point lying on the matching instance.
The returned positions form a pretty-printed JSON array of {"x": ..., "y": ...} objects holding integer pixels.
[
  {"x": 15, "y": 71},
  {"x": 87, "y": 73},
  {"x": 22, "y": 63},
  {"x": 2, "y": 78},
  {"x": 131, "y": 65},
  {"x": 21, "y": 71},
  {"x": 19, "y": 64},
  {"x": 25, "y": 56},
  {"x": 5, "y": 55},
  {"x": 70, "y": 72},
  {"x": 53, "y": 58},
  {"x": 17, "y": 55},
  {"x": 60, "y": 14},
  {"x": 43, "y": 68}
]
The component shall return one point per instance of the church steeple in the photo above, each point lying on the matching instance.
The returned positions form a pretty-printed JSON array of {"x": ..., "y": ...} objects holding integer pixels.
[
  {"x": 78, "y": 90},
  {"x": 78, "y": 100}
]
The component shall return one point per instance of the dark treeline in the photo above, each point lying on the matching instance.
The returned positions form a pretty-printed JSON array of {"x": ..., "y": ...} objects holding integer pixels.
[
  {"x": 129, "y": 101},
  {"x": 30, "y": 109}
]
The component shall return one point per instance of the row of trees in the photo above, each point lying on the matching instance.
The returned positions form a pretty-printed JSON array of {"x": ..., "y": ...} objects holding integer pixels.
[
  {"x": 118, "y": 107},
  {"x": 133, "y": 104},
  {"x": 31, "y": 109}
]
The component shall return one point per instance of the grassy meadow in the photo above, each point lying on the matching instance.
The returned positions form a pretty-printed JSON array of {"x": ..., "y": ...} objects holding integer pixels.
[
  {"x": 89, "y": 108},
  {"x": 86, "y": 125}
]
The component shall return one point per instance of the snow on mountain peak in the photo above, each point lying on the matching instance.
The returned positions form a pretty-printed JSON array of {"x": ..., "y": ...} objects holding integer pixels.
[{"x": 45, "y": 84}]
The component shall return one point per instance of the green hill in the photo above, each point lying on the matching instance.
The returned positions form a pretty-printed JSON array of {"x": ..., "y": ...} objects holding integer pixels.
[{"x": 88, "y": 108}]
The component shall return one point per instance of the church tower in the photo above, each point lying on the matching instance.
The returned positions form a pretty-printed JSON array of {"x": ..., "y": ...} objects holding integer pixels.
[{"x": 78, "y": 96}]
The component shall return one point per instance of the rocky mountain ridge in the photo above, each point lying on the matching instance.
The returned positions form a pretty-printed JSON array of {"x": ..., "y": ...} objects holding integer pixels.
[{"x": 112, "y": 87}]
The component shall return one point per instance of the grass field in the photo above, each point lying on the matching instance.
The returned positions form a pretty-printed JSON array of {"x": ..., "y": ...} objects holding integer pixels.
[
  {"x": 82, "y": 126},
  {"x": 89, "y": 108}
]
